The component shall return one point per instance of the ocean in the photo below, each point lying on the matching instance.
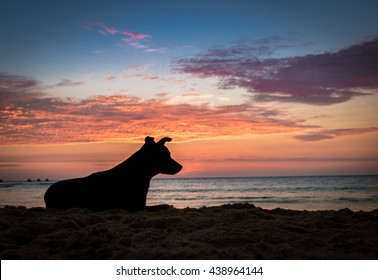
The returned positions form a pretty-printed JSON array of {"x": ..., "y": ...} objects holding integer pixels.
[{"x": 297, "y": 193}]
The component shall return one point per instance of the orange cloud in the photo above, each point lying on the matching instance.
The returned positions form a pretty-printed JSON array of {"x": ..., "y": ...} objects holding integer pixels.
[
  {"x": 38, "y": 120},
  {"x": 29, "y": 116}
]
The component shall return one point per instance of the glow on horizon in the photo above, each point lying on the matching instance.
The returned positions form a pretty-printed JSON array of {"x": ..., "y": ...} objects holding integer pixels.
[{"x": 251, "y": 156}]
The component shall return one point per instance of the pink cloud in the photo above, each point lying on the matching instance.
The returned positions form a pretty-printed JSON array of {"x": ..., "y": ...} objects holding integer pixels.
[
  {"x": 110, "y": 30},
  {"x": 132, "y": 39},
  {"x": 105, "y": 29},
  {"x": 318, "y": 79},
  {"x": 135, "y": 35},
  {"x": 101, "y": 27}
]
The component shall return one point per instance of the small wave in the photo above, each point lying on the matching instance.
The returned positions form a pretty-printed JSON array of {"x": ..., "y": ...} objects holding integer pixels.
[
  {"x": 350, "y": 199},
  {"x": 373, "y": 199},
  {"x": 7, "y": 185},
  {"x": 243, "y": 197}
]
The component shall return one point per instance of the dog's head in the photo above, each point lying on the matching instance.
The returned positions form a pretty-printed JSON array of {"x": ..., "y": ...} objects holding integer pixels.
[{"x": 159, "y": 157}]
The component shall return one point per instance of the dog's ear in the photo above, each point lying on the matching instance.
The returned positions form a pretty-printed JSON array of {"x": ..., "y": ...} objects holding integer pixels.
[
  {"x": 163, "y": 140},
  {"x": 149, "y": 140}
]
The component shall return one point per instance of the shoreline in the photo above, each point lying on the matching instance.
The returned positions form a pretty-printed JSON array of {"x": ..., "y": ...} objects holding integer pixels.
[{"x": 232, "y": 231}]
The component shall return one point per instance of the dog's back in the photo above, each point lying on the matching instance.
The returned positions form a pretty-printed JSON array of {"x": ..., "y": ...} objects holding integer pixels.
[{"x": 124, "y": 186}]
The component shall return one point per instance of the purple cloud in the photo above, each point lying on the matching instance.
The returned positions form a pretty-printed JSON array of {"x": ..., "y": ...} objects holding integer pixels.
[
  {"x": 314, "y": 137},
  {"x": 14, "y": 88},
  {"x": 68, "y": 83},
  {"x": 11, "y": 83},
  {"x": 318, "y": 79},
  {"x": 332, "y": 133},
  {"x": 298, "y": 159}
]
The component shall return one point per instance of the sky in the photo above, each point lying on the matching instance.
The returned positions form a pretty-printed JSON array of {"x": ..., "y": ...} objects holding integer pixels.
[{"x": 244, "y": 88}]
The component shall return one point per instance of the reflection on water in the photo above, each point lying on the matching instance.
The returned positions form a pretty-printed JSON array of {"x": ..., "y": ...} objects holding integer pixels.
[
  {"x": 311, "y": 193},
  {"x": 29, "y": 194}
]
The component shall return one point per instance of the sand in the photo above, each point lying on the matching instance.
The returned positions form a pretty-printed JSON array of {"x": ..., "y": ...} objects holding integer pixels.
[{"x": 238, "y": 231}]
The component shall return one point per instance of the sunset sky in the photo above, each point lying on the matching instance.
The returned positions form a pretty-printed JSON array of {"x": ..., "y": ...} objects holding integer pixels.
[{"x": 244, "y": 88}]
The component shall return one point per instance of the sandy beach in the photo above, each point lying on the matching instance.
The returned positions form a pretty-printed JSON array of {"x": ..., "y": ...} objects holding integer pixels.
[{"x": 238, "y": 231}]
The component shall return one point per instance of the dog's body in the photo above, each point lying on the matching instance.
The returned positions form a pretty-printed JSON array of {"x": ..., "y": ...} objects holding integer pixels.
[{"x": 124, "y": 186}]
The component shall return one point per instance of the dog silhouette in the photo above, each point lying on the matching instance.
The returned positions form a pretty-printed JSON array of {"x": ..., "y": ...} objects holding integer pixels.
[{"x": 123, "y": 186}]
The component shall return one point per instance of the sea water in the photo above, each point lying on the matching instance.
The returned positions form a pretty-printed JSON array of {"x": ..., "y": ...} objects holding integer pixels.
[{"x": 297, "y": 193}]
